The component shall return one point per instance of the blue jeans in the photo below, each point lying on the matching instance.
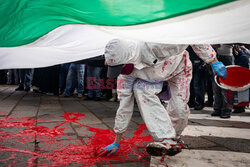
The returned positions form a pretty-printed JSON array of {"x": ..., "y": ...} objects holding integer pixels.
[
  {"x": 25, "y": 77},
  {"x": 63, "y": 76},
  {"x": 76, "y": 71},
  {"x": 9, "y": 76},
  {"x": 220, "y": 102},
  {"x": 95, "y": 74}
]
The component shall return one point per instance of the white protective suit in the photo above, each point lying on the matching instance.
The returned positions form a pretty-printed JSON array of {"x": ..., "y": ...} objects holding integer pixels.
[{"x": 145, "y": 82}]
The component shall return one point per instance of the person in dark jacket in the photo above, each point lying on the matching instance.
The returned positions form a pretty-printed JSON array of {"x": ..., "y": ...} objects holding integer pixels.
[
  {"x": 197, "y": 85},
  {"x": 46, "y": 79},
  {"x": 240, "y": 59}
]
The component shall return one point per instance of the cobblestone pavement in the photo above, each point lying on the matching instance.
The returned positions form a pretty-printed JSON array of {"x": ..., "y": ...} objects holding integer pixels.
[{"x": 212, "y": 141}]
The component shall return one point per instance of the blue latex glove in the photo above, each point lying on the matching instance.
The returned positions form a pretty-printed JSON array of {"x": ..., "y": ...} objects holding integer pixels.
[
  {"x": 219, "y": 68},
  {"x": 109, "y": 150}
]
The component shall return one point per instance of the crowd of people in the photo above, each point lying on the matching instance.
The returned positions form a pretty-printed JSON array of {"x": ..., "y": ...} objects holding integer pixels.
[
  {"x": 82, "y": 79},
  {"x": 88, "y": 79}
]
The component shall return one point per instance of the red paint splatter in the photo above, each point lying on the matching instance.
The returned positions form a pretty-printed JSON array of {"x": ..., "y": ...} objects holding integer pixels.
[
  {"x": 164, "y": 65},
  {"x": 130, "y": 147}
]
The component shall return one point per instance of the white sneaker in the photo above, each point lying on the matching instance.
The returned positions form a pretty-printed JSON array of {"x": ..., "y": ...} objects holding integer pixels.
[{"x": 166, "y": 147}]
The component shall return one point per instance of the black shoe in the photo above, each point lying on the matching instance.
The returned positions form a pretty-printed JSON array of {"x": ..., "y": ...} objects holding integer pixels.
[
  {"x": 27, "y": 89},
  {"x": 225, "y": 114},
  {"x": 199, "y": 107},
  {"x": 216, "y": 113},
  {"x": 239, "y": 110},
  {"x": 37, "y": 90},
  {"x": 19, "y": 89}
]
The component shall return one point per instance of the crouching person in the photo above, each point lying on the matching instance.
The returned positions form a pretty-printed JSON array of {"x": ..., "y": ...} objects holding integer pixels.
[{"x": 142, "y": 68}]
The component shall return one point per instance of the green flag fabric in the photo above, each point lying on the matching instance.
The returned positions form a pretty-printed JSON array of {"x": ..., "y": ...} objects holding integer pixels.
[{"x": 24, "y": 21}]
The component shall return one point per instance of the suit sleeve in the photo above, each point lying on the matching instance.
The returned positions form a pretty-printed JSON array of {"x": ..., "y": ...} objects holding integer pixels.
[{"x": 205, "y": 52}]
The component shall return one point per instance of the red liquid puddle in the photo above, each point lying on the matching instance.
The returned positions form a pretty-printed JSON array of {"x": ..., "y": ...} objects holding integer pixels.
[{"x": 131, "y": 148}]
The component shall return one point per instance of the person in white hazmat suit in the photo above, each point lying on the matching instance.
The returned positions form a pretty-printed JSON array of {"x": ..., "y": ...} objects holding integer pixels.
[{"x": 153, "y": 63}]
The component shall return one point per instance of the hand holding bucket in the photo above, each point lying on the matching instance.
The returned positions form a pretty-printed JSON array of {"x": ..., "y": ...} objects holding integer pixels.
[{"x": 219, "y": 69}]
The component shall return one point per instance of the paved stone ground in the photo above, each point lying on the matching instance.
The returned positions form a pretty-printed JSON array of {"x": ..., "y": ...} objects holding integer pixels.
[{"x": 212, "y": 141}]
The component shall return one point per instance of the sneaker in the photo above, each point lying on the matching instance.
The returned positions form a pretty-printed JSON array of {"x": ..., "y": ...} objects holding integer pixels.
[
  {"x": 216, "y": 113},
  {"x": 36, "y": 89},
  {"x": 19, "y": 89},
  {"x": 167, "y": 147},
  {"x": 225, "y": 114}
]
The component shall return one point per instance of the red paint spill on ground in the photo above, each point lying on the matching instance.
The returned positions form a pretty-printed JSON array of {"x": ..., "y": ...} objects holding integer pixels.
[{"x": 131, "y": 148}]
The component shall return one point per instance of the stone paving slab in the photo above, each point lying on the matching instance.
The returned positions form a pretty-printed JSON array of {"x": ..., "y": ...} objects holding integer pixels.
[
  {"x": 99, "y": 109},
  {"x": 76, "y": 106},
  {"x": 22, "y": 107},
  {"x": 137, "y": 120},
  {"x": 51, "y": 116},
  {"x": 83, "y": 132},
  {"x": 8, "y": 104},
  {"x": 18, "y": 143},
  {"x": 49, "y": 112},
  {"x": 237, "y": 124},
  {"x": 5, "y": 109},
  {"x": 133, "y": 126},
  {"x": 49, "y": 107},
  {"x": 24, "y": 113},
  {"x": 203, "y": 158},
  {"x": 208, "y": 116},
  {"x": 68, "y": 130},
  {"x": 6, "y": 93},
  {"x": 197, "y": 142},
  {"x": 232, "y": 144},
  {"x": 212, "y": 141},
  {"x": 216, "y": 131},
  {"x": 3, "y": 87},
  {"x": 205, "y": 122},
  {"x": 89, "y": 119},
  {"x": 110, "y": 122},
  {"x": 18, "y": 160},
  {"x": 46, "y": 146},
  {"x": 115, "y": 105},
  {"x": 130, "y": 164},
  {"x": 112, "y": 105}
]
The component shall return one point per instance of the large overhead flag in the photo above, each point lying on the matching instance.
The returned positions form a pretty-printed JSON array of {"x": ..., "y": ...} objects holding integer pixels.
[{"x": 38, "y": 33}]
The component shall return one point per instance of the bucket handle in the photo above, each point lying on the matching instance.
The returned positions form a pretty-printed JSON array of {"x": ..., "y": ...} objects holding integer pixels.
[{"x": 238, "y": 89}]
